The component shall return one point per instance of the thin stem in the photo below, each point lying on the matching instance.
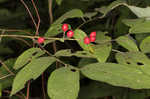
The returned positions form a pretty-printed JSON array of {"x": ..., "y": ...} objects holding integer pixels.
[
  {"x": 14, "y": 30},
  {"x": 33, "y": 37},
  {"x": 50, "y": 11},
  {"x": 43, "y": 87},
  {"x": 117, "y": 51},
  {"x": 38, "y": 16},
  {"x": 6, "y": 67},
  {"x": 28, "y": 90},
  {"x": 29, "y": 12},
  {"x": 23, "y": 41},
  {"x": 6, "y": 76}
]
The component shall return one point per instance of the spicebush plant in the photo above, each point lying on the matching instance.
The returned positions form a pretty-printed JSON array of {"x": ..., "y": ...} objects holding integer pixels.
[{"x": 68, "y": 49}]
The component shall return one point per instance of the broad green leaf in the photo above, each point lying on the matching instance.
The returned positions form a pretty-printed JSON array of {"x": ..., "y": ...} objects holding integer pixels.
[
  {"x": 75, "y": 13},
  {"x": 140, "y": 12},
  {"x": 112, "y": 6},
  {"x": 80, "y": 35},
  {"x": 27, "y": 56},
  {"x": 31, "y": 71},
  {"x": 67, "y": 53},
  {"x": 133, "y": 22},
  {"x": 103, "y": 48},
  {"x": 132, "y": 58},
  {"x": 140, "y": 28},
  {"x": 55, "y": 28},
  {"x": 140, "y": 37},
  {"x": 59, "y": 2},
  {"x": 86, "y": 61},
  {"x": 145, "y": 45},
  {"x": 90, "y": 14},
  {"x": 63, "y": 83},
  {"x": 117, "y": 75},
  {"x": 136, "y": 60},
  {"x": 127, "y": 42}
]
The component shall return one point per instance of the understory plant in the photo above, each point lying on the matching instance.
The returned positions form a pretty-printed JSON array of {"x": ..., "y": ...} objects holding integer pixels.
[{"x": 68, "y": 49}]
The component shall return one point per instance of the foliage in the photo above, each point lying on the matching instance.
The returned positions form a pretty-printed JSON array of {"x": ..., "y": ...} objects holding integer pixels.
[{"x": 116, "y": 65}]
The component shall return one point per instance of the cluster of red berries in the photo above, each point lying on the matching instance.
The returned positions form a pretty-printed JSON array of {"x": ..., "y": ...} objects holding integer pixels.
[
  {"x": 92, "y": 38},
  {"x": 70, "y": 33},
  {"x": 65, "y": 28}
]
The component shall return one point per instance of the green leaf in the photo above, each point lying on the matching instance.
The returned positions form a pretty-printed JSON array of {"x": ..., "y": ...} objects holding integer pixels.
[
  {"x": 103, "y": 48},
  {"x": 63, "y": 83},
  {"x": 27, "y": 56},
  {"x": 109, "y": 8},
  {"x": 59, "y": 2},
  {"x": 127, "y": 42},
  {"x": 80, "y": 35},
  {"x": 136, "y": 60},
  {"x": 31, "y": 71},
  {"x": 133, "y": 22},
  {"x": 117, "y": 75},
  {"x": 67, "y": 53},
  {"x": 86, "y": 61},
  {"x": 145, "y": 45},
  {"x": 140, "y": 28},
  {"x": 75, "y": 13},
  {"x": 132, "y": 59},
  {"x": 140, "y": 12},
  {"x": 55, "y": 28},
  {"x": 90, "y": 14}
]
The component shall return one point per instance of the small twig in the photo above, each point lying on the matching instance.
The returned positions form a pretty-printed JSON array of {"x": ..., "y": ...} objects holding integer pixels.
[
  {"x": 3, "y": 31},
  {"x": 6, "y": 67},
  {"x": 28, "y": 90},
  {"x": 43, "y": 87},
  {"x": 5, "y": 76},
  {"x": 38, "y": 16},
  {"x": 29, "y": 13},
  {"x": 33, "y": 37},
  {"x": 50, "y": 11},
  {"x": 14, "y": 30},
  {"x": 22, "y": 41},
  {"x": 117, "y": 51}
]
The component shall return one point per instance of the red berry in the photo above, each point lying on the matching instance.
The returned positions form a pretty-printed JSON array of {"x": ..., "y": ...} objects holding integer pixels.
[
  {"x": 65, "y": 27},
  {"x": 86, "y": 40},
  {"x": 93, "y": 34},
  {"x": 92, "y": 39},
  {"x": 70, "y": 33},
  {"x": 41, "y": 40}
]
